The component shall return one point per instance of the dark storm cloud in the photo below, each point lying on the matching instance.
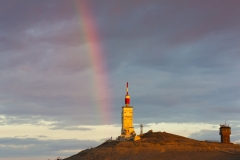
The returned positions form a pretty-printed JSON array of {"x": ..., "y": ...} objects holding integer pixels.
[
  {"x": 183, "y": 56},
  {"x": 199, "y": 28},
  {"x": 184, "y": 97},
  {"x": 21, "y": 15},
  {"x": 34, "y": 34},
  {"x": 29, "y": 147},
  {"x": 180, "y": 57}
]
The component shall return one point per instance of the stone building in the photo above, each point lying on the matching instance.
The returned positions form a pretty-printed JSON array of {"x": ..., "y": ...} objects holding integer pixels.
[
  {"x": 127, "y": 131},
  {"x": 224, "y": 132}
]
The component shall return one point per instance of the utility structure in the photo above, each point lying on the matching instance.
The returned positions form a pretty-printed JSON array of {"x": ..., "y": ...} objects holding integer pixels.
[
  {"x": 141, "y": 129},
  {"x": 127, "y": 131},
  {"x": 224, "y": 132}
]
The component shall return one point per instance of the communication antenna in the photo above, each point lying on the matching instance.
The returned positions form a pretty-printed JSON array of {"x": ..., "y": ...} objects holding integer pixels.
[
  {"x": 141, "y": 129},
  {"x": 127, "y": 97}
]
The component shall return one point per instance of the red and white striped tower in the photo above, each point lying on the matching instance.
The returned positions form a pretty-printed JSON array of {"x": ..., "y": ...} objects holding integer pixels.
[{"x": 127, "y": 97}]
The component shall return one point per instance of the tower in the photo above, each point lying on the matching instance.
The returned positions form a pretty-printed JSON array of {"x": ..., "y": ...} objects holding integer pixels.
[
  {"x": 225, "y": 132},
  {"x": 127, "y": 117},
  {"x": 141, "y": 129},
  {"x": 127, "y": 132}
]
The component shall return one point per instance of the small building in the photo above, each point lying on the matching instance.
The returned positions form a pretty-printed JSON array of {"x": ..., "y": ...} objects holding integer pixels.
[{"x": 224, "y": 132}]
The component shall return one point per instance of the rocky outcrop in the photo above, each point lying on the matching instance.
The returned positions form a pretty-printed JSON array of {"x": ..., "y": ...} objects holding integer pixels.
[{"x": 160, "y": 146}]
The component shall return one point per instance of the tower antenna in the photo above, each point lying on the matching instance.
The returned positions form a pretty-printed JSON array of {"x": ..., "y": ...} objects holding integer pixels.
[{"x": 127, "y": 96}]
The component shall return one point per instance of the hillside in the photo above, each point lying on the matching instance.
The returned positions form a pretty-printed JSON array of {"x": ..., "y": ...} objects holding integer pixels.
[{"x": 160, "y": 146}]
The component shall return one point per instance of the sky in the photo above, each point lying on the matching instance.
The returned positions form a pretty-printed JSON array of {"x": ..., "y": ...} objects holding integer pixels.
[{"x": 64, "y": 66}]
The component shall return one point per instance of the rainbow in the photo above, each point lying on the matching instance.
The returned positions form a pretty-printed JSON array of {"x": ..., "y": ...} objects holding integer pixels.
[{"x": 96, "y": 58}]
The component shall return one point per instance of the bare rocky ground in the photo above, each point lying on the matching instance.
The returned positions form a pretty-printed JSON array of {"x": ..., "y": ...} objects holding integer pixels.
[{"x": 160, "y": 146}]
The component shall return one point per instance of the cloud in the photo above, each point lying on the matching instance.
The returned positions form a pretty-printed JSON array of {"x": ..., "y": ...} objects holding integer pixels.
[
  {"x": 29, "y": 147},
  {"x": 71, "y": 128},
  {"x": 209, "y": 135},
  {"x": 181, "y": 60},
  {"x": 42, "y": 136},
  {"x": 213, "y": 134}
]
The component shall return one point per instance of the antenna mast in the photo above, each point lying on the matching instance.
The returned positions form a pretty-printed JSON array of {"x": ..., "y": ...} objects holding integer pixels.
[{"x": 127, "y": 97}]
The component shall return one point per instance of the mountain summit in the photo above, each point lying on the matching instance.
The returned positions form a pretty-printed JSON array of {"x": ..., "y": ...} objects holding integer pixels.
[{"x": 160, "y": 146}]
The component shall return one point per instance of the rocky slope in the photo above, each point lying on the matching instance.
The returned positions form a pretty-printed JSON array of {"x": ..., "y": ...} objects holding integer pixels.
[{"x": 160, "y": 146}]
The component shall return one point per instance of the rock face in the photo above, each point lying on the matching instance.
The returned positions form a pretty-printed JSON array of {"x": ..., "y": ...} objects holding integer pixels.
[{"x": 160, "y": 146}]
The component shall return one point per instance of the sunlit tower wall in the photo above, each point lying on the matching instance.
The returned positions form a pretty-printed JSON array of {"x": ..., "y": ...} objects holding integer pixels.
[
  {"x": 224, "y": 132},
  {"x": 127, "y": 116}
]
